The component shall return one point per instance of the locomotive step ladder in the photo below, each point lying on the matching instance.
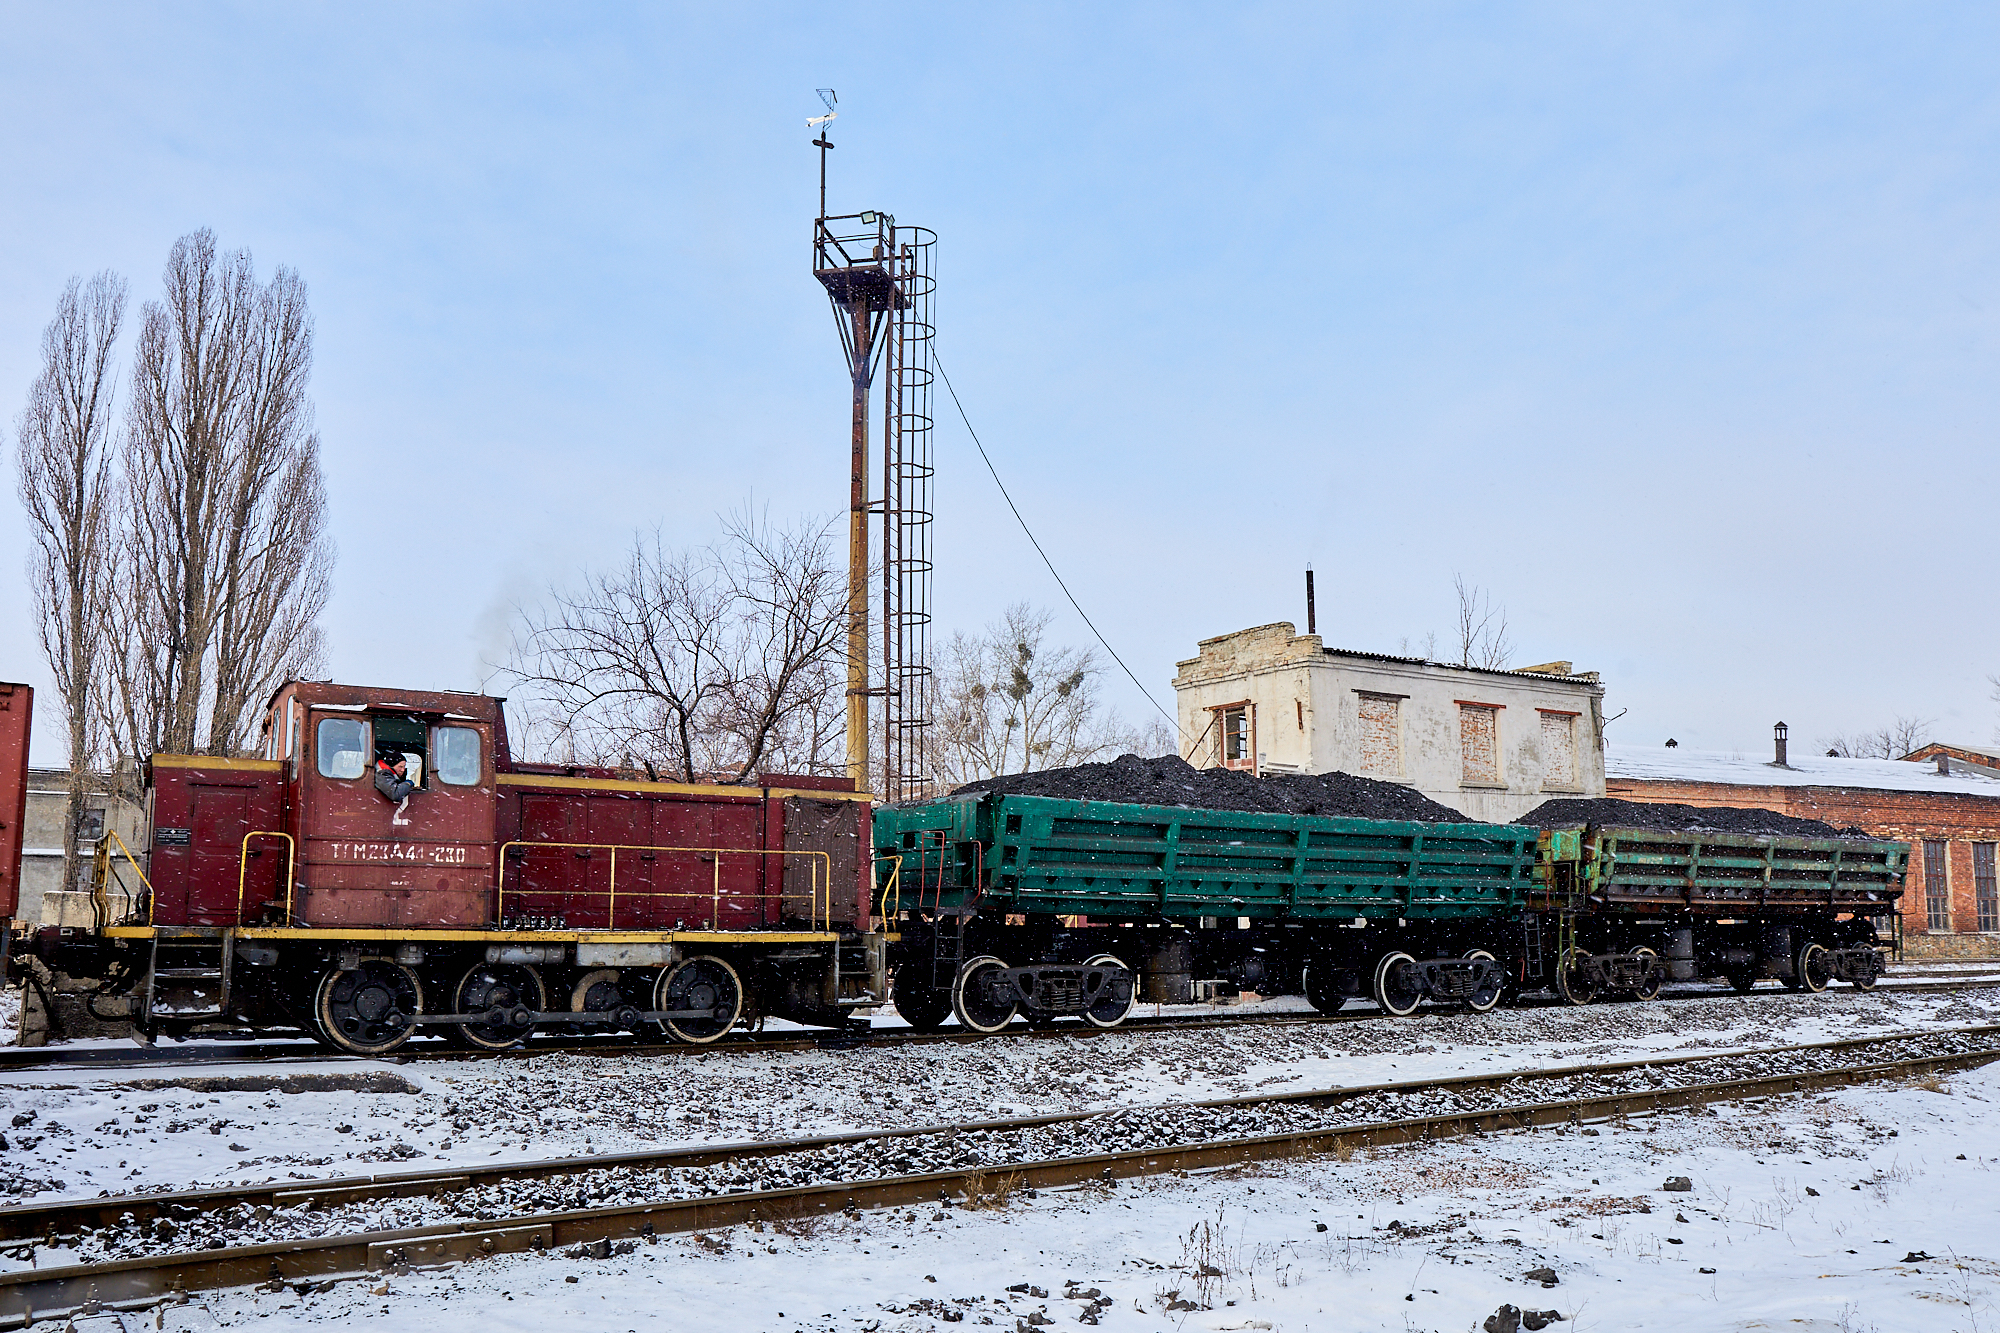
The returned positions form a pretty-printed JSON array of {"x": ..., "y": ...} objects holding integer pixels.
[
  {"x": 1532, "y": 960},
  {"x": 189, "y": 977},
  {"x": 948, "y": 945}
]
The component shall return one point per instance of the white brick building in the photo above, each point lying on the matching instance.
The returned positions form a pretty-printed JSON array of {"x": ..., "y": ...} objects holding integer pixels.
[{"x": 1492, "y": 744}]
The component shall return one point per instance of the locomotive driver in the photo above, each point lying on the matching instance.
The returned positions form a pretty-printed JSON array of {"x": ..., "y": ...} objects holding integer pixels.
[{"x": 390, "y": 767}]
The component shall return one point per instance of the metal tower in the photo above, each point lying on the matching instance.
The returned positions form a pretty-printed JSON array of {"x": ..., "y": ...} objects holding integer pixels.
[{"x": 879, "y": 278}]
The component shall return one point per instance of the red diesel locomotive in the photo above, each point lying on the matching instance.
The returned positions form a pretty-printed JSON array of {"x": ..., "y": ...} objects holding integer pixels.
[{"x": 492, "y": 899}]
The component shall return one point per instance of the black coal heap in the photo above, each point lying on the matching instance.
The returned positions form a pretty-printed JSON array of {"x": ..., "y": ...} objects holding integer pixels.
[
  {"x": 1173, "y": 781},
  {"x": 1668, "y": 817}
]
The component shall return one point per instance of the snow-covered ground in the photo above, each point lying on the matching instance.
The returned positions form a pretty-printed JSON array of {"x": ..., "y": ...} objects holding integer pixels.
[
  {"x": 79, "y": 1132},
  {"x": 1869, "y": 1210}
]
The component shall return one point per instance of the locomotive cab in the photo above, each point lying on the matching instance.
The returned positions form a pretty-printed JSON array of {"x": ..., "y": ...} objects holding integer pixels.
[{"x": 363, "y": 858}]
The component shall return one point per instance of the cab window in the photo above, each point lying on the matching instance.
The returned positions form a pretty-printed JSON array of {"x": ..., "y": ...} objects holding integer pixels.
[
  {"x": 406, "y": 736},
  {"x": 343, "y": 747},
  {"x": 457, "y": 758}
]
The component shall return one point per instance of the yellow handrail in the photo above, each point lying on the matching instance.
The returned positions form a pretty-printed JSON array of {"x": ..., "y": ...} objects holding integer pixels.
[
  {"x": 291, "y": 870},
  {"x": 895, "y": 884},
  {"x": 112, "y": 834},
  {"x": 813, "y": 914}
]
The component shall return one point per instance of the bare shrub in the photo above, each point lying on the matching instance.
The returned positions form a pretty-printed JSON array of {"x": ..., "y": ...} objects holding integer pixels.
[{"x": 990, "y": 1190}]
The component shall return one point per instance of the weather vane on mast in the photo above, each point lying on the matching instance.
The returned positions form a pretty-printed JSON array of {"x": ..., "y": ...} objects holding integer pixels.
[{"x": 826, "y": 96}]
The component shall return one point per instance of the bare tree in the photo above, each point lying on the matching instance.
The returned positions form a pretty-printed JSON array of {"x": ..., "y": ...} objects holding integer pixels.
[
  {"x": 1007, "y": 702},
  {"x": 724, "y": 661},
  {"x": 65, "y": 481},
  {"x": 224, "y": 559},
  {"x": 1905, "y": 735},
  {"x": 1482, "y": 628}
]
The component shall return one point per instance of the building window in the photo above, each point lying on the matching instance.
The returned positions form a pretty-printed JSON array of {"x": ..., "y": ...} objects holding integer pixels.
[
  {"x": 1983, "y": 886},
  {"x": 1239, "y": 735},
  {"x": 1381, "y": 734},
  {"x": 1937, "y": 893},
  {"x": 90, "y": 825},
  {"x": 1558, "y": 750},
  {"x": 1479, "y": 742}
]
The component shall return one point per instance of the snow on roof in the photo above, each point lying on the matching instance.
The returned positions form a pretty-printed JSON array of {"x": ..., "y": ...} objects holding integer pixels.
[{"x": 1746, "y": 770}]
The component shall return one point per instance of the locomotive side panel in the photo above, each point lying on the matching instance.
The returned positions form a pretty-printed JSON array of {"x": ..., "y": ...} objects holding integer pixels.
[
  {"x": 611, "y": 854},
  {"x": 827, "y": 880},
  {"x": 217, "y": 857}
]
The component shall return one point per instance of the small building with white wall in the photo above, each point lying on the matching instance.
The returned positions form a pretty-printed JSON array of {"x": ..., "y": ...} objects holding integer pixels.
[{"x": 1492, "y": 744}]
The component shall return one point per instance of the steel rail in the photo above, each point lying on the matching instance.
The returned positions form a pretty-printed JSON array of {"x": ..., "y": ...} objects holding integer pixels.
[
  {"x": 67, "y": 1216},
  {"x": 251, "y": 1052},
  {"x": 138, "y": 1283}
]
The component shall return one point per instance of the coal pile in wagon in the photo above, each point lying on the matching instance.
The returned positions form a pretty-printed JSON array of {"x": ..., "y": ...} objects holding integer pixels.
[
  {"x": 1173, "y": 781},
  {"x": 1667, "y": 817}
]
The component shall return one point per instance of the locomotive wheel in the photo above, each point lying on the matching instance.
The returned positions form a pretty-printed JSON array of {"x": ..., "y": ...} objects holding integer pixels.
[
  {"x": 1488, "y": 998},
  {"x": 489, "y": 986},
  {"x": 1572, "y": 984},
  {"x": 1319, "y": 994},
  {"x": 367, "y": 1010},
  {"x": 1812, "y": 967},
  {"x": 1650, "y": 990},
  {"x": 1741, "y": 982},
  {"x": 974, "y": 1012},
  {"x": 923, "y": 1006},
  {"x": 1108, "y": 1012},
  {"x": 1397, "y": 995},
  {"x": 705, "y": 995}
]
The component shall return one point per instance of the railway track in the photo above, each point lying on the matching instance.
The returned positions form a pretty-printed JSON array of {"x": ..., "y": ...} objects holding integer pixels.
[
  {"x": 210, "y": 1052},
  {"x": 466, "y": 1213}
]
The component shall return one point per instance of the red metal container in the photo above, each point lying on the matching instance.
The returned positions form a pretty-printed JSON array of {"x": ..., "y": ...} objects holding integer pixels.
[{"x": 17, "y": 708}]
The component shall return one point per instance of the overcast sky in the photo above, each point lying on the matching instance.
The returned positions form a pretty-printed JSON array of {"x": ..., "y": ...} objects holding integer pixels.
[{"x": 1673, "y": 326}]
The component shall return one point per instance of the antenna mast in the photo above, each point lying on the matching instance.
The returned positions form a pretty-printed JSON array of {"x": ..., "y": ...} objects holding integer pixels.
[{"x": 879, "y": 279}]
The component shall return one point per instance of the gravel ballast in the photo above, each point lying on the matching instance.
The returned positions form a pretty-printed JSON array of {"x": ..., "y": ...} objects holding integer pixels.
[{"x": 953, "y": 1149}]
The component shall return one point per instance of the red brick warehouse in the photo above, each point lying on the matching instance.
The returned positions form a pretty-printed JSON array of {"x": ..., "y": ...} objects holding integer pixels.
[{"x": 1948, "y": 812}]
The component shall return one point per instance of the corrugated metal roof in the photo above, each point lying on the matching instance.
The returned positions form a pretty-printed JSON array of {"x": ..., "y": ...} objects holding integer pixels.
[
  {"x": 1736, "y": 768},
  {"x": 1576, "y": 678}
]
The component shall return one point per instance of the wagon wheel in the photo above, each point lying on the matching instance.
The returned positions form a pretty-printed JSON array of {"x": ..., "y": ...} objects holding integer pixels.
[
  {"x": 705, "y": 997},
  {"x": 1110, "y": 1011},
  {"x": 513, "y": 989},
  {"x": 1320, "y": 993},
  {"x": 1813, "y": 967},
  {"x": 1487, "y": 997},
  {"x": 974, "y": 1010},
  {"x": 369, "y": 1009},
  {"x": 1396, "y": 989},
  {"x": 1649, "y": 989},
  {"x": 1572, "y": 981},
  {"x": 923, "y": 1006}
]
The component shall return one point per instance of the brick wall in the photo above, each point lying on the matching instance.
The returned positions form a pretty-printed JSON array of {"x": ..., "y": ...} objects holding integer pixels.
[{"x": 1958, "y": 819}]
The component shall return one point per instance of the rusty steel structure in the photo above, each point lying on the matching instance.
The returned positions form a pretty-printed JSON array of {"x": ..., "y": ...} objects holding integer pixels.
[{"x": 880, "y": 280}]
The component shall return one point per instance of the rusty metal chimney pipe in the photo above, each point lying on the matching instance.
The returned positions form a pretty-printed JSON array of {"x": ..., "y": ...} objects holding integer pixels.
[{"x": 1312, "y": 621}]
